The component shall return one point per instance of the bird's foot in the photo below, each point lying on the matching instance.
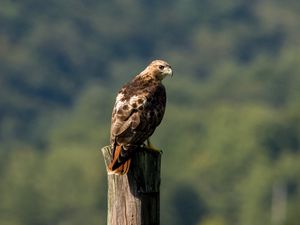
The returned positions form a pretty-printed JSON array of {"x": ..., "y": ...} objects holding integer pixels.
[{"x": 150, "y": 147}]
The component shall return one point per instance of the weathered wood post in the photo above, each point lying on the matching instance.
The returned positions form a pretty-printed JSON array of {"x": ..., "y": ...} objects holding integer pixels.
[{"x": 133, "y": 199}]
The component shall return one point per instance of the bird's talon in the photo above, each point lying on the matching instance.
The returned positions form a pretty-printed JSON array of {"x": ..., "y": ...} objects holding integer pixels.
[{"x": 149, "y": 146}]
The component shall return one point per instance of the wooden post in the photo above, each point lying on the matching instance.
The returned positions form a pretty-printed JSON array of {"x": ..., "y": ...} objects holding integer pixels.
[{"x": 133, "y": 199}]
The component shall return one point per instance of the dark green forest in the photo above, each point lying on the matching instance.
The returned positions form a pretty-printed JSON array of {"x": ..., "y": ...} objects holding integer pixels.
[{"x": 230, "y": 135}]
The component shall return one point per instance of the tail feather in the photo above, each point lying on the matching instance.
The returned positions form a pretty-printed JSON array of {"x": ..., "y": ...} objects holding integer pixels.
[{"x": 121, "y": 161}]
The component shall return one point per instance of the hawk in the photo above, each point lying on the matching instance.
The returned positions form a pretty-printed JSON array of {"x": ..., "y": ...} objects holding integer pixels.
[{"x": 139, "y": 109}]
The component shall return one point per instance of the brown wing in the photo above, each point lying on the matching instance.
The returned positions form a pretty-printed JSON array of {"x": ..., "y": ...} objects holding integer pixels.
[
  {"x": 125, "y": 120},
  {"x": 126, "y": 117},
  {"x": 135, "y": 118}
]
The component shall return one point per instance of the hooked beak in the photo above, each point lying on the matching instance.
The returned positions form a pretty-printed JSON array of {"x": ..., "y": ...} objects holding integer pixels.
[{"x": 169, "y": 71}]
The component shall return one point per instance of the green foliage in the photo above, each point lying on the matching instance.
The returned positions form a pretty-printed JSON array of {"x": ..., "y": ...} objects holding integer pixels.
[{"x": 231, "y": 129}]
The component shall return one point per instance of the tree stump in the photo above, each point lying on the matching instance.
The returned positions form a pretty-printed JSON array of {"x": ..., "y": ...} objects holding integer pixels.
[{"x": 133, "y": 198}]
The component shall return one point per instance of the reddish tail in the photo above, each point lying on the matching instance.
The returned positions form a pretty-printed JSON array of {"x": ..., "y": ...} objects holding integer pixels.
[{"x": 120, "y": 163}]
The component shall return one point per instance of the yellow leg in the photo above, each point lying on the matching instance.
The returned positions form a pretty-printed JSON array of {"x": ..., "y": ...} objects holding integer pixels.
[{"x": 151, "y": 147}]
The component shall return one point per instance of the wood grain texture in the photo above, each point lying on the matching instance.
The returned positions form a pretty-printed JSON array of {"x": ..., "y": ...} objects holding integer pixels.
[{"x": 133, "y": 199}]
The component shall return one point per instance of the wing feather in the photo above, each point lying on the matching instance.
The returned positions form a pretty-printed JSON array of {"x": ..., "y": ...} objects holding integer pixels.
[{"x": 126, "y": 117}]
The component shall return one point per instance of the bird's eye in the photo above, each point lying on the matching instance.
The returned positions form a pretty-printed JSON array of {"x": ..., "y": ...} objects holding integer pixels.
[{"x": 161, "y": 67}]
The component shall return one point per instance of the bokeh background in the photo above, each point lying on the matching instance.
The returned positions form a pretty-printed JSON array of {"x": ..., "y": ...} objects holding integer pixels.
[{"x": 231, "y": 132}]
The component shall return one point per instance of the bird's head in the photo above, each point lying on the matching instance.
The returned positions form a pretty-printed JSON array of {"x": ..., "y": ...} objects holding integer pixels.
[{"x": 159, "y": 69}]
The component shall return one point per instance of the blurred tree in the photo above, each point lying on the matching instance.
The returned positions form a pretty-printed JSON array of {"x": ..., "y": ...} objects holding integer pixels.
[
  {"x": 231, "y": 128},
  {"x": 188, "y": 207}
]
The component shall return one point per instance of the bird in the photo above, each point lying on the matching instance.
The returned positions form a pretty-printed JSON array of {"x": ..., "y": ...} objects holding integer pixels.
[{"x": 138, "y": 110}]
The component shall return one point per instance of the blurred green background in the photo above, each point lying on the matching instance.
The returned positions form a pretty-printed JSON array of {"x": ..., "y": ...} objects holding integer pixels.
[{"x": 231, "y": 132}]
